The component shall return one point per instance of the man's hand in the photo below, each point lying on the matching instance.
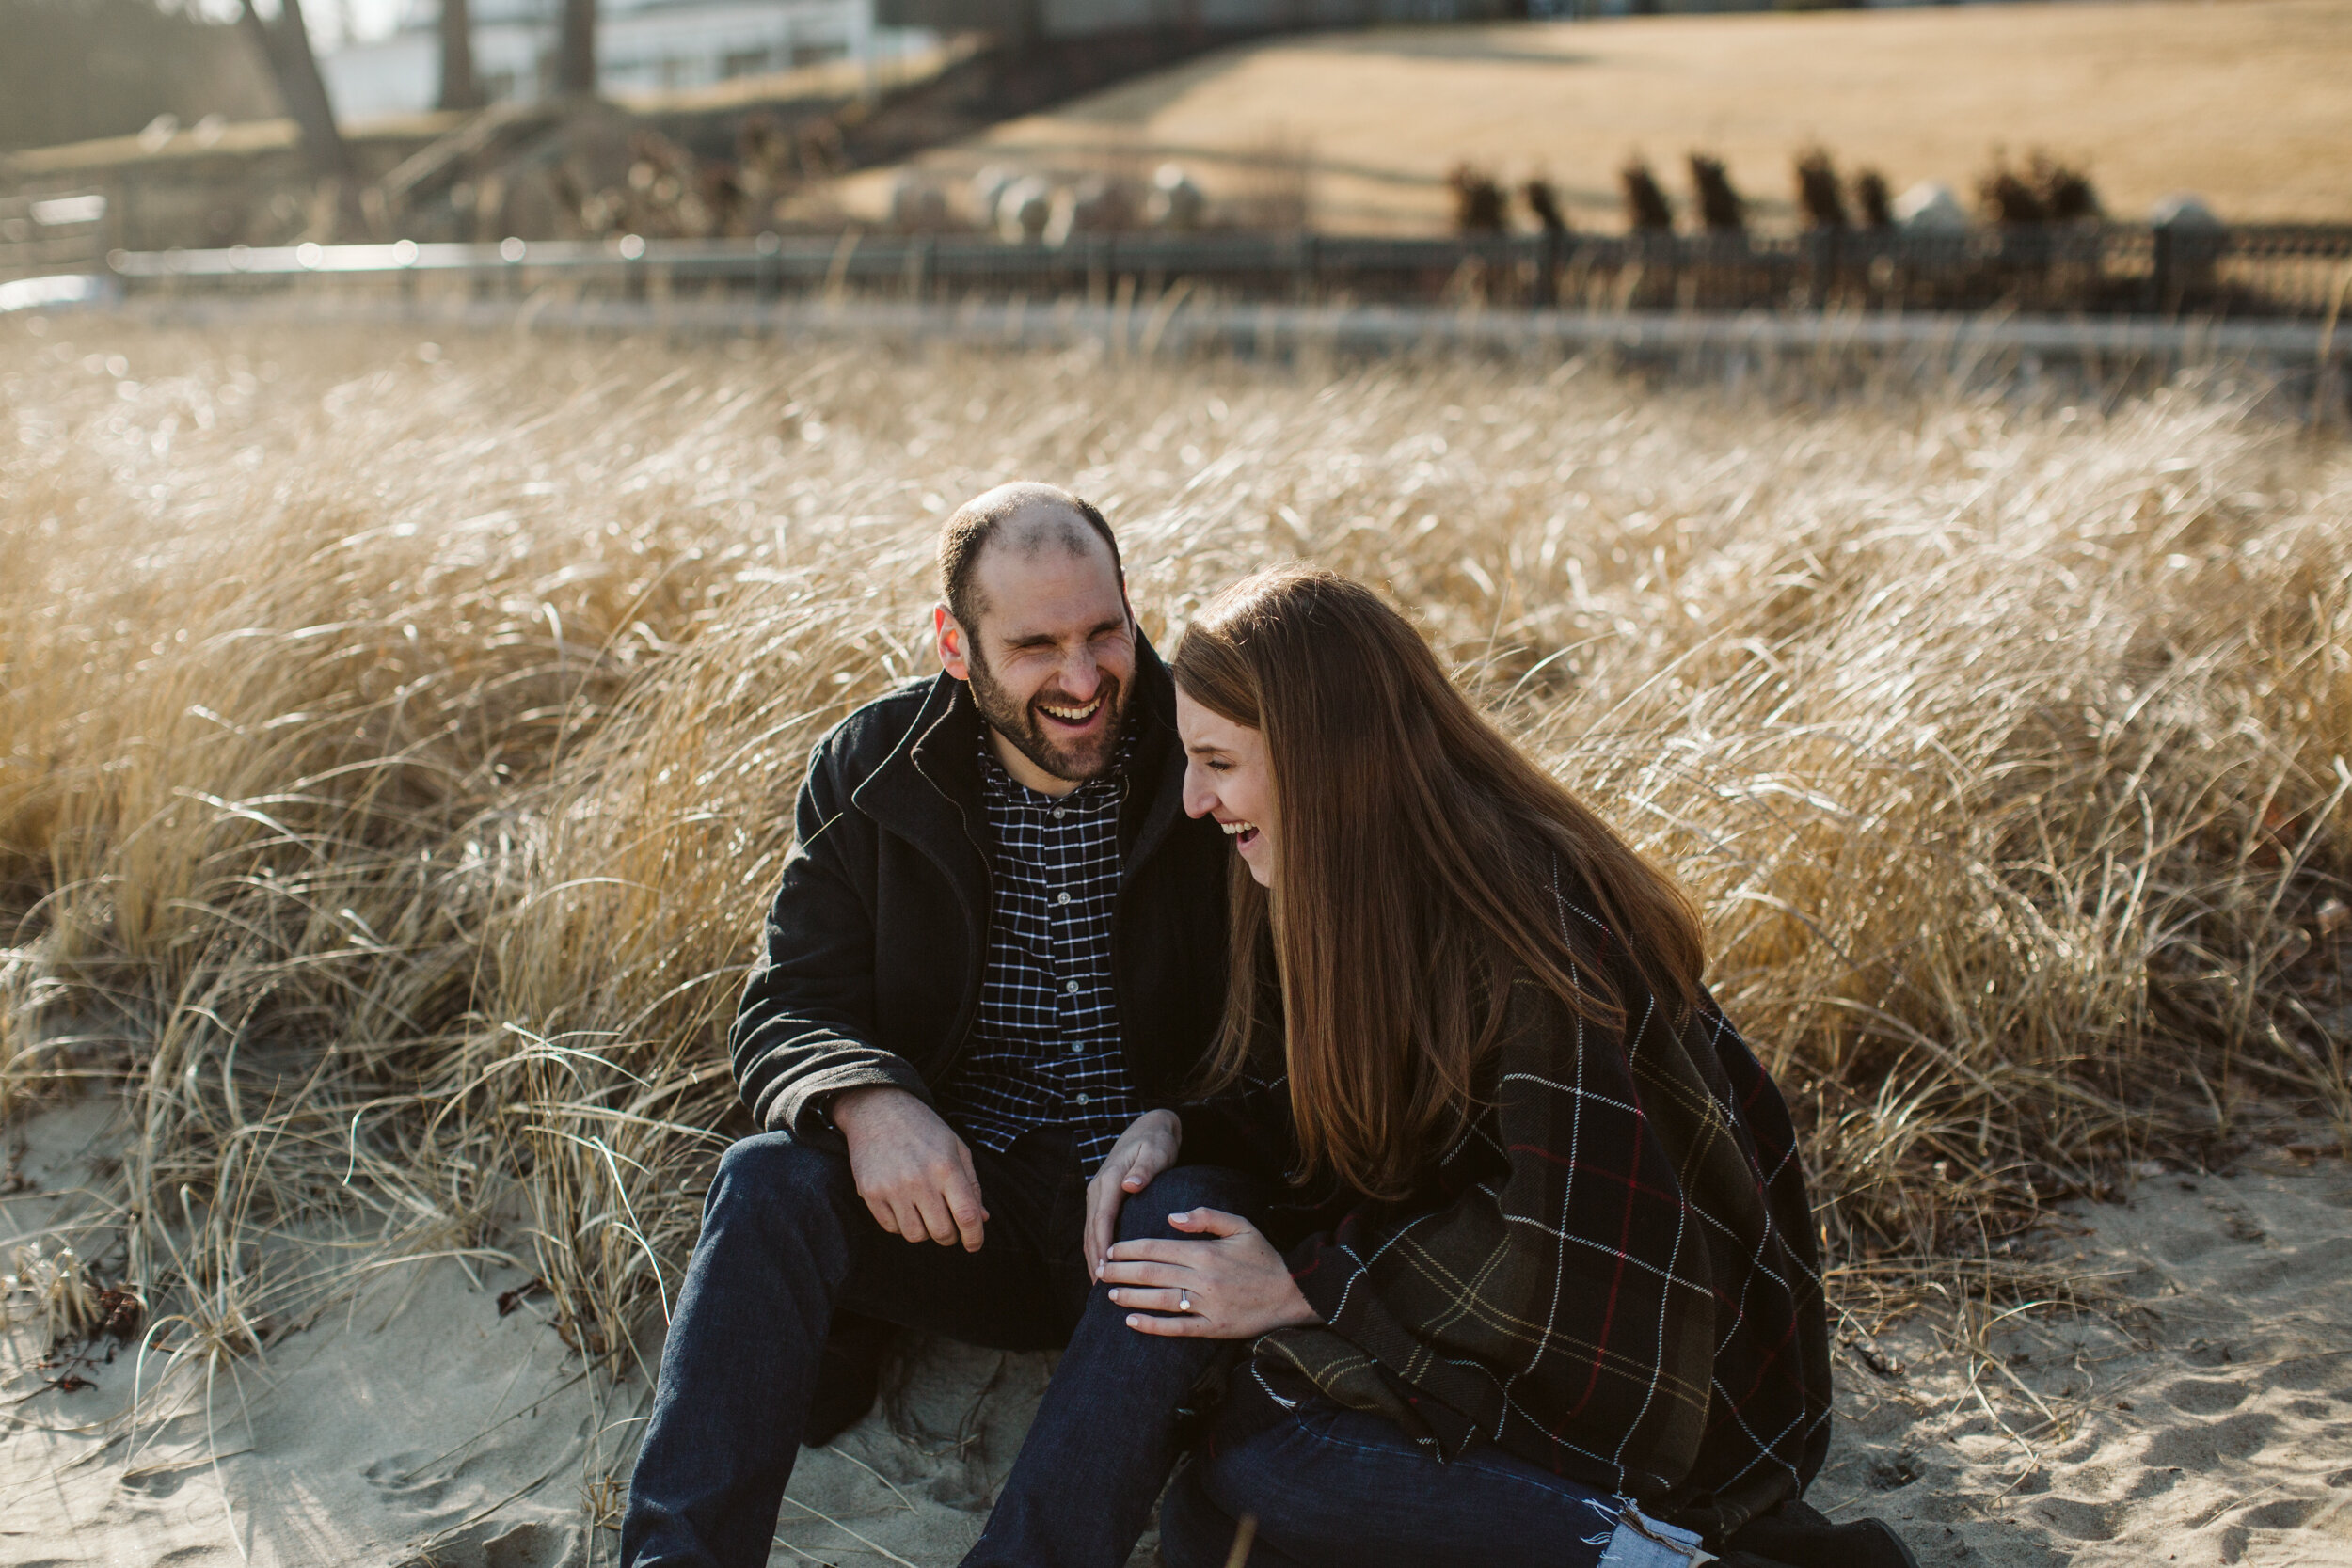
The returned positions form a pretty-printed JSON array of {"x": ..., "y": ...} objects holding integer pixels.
[
  {"x": 1232, "y": 1286},
  {"x": 1145, "y": 1149},
  {"x": 909, "y": 1168}
]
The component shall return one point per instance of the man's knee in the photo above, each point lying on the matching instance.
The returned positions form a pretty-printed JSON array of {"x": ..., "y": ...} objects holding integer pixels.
[
  {"x": 1173, "y": 1192},
  {"x": 775, "y": 1176}
]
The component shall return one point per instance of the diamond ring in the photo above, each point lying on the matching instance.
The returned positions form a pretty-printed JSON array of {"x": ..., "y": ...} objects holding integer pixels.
[{"x": 1183, "y": 1301}]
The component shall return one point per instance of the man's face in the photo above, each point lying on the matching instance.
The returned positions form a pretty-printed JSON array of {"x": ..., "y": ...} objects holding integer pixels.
[{"x": 1052, "y": 659}]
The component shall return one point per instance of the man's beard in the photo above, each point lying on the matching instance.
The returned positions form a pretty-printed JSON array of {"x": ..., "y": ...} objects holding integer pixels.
[{"x": 1027, "y": 730}]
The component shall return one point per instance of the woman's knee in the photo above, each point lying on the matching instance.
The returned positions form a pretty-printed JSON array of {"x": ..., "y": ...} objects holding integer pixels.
[{"x": 1186, "y": 1187}]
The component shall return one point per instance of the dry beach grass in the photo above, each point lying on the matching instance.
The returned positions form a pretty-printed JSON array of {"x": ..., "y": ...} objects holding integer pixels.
[{"x": 399, "y": 741}]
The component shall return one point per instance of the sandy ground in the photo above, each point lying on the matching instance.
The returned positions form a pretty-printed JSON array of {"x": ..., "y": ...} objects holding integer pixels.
[
  {"x": 2203, "y": 1413},
  {"x": 2242, "y": 101}
]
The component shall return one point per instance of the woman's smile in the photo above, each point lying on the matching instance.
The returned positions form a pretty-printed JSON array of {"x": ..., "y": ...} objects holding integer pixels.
[{"x": 1227, "y": 776}]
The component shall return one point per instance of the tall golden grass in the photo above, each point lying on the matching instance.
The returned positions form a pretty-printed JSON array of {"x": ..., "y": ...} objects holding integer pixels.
[{"x": 399, "y": 744}]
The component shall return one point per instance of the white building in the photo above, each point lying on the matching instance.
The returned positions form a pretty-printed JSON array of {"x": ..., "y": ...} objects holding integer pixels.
[{"x": 641, "y": 45}]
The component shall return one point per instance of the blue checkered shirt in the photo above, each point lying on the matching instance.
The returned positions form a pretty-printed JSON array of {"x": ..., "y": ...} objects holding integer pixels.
[{"x": 1045, "y": 1049}]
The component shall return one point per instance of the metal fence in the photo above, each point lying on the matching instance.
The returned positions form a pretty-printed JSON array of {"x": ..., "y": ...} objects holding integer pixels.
[
  {"x": 2268, "y": 272},
  {"x": 1182, "y": 322},
  {"x": 50, "y": 234}
]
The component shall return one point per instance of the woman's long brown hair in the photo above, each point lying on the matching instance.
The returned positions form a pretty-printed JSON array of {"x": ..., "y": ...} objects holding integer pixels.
[{"x": 1416, "y": 856}]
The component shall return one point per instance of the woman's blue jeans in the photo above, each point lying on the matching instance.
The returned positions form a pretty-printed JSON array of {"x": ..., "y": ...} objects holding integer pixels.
[
  {"x": 1336, "y": 1488},
  {"x": 785, "y": 1240}
]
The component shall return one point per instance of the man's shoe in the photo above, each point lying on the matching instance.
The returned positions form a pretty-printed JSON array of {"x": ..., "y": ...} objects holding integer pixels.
[{"x": 848, "y": 1375}]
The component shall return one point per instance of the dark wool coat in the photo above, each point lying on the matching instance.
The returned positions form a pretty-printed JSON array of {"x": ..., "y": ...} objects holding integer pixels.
[
  {"x": 878, "y": 938},
  {"x": 1613, "y": 1275}
]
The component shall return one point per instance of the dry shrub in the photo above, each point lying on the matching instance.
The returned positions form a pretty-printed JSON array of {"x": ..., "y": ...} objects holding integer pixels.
[
  {"x": 2065, "y": 191},
  {"x": 1543, "y": 205},
  {"x": 2006, "y": 195},
  {"x": 399, "y": 745},
  {"x": 1872, "y": 200},
  {"x": 2047, "y": 191},
  {"x": 1646, "y": 209},
  {"x": 1721, "y": 209},
  {"x": 1481, "y": 205},
  {"x": 1819, "y": 199}
]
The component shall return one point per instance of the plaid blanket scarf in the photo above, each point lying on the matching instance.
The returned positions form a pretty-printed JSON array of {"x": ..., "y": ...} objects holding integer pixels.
[{"x": 1613, "y": 1275}]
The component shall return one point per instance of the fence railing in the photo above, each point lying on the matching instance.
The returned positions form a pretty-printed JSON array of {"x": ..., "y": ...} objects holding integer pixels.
[
  {"x": 2269, "y": 272},
  {"x": 48, "y": 234},
  {"x": 2278, "y": 272}
]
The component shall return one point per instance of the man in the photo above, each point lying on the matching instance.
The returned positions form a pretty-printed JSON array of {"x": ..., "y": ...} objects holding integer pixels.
[{"x": 1000, "y": 941}]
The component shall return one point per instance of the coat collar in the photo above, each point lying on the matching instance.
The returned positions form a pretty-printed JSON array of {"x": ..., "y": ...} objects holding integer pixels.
[{"x": 928, "y": 789}]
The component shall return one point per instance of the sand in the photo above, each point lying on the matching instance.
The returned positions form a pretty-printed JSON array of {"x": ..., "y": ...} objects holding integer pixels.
[
  {"x": 2241, "y": 102},
  {"x": 2202, "y": 1413}
]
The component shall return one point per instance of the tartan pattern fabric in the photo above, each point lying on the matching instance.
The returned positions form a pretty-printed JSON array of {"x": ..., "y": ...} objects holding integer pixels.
[
  {"x": 1046, "y": 1047},
  {"x": 1612, "y": 1274}
]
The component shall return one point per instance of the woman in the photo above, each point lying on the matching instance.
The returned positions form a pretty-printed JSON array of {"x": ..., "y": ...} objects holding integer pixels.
[{"x": 1547, "y": 1292}]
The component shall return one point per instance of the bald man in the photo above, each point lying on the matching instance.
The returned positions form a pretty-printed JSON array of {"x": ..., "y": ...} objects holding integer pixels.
[{"x": 997, "y": 950}]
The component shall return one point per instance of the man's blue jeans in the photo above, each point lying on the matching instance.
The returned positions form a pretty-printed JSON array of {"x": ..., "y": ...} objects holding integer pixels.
[
  {"x": 1335, "y": 1488},
  {"x": 785, "y": 1240}
]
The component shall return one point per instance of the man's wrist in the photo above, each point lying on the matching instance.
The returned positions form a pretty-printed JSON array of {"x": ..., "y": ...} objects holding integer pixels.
[{"x": 843, "y": 1106}]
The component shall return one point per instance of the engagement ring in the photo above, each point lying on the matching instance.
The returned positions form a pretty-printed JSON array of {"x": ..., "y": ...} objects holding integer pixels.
[{"x": 1183, "y": 1301}]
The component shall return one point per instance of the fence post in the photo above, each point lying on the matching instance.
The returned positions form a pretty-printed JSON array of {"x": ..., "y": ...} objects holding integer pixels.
[
  {"x": 767, "y": 267},
  {"x": 2161, "y": 268}
]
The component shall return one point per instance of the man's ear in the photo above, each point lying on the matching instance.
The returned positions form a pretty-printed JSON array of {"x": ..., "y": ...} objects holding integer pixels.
[{"x": 953, "y": 646}]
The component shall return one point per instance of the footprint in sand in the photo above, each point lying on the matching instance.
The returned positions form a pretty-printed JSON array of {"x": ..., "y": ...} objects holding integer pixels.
[
  {"x": 2199, "y": 1447},
  {"x": 496, "y": 1545},
  {"x": 2079, "y": 1520},
  {"x": 160, "y": 1481},
  {"x": 2205, "y": 1395},
  {"x": 2285, "y": 1513},
  {"x": 408, "y": 1475}
]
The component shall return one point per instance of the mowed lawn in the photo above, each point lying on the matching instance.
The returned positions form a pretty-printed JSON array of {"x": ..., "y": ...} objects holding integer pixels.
[{"x": 2249, "y": 104}]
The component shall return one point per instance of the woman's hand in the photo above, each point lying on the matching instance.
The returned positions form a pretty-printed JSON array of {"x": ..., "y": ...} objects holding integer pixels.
[
  {"x": 1145, "y": 1149},
  {"x": 1232, "y": 1286}
]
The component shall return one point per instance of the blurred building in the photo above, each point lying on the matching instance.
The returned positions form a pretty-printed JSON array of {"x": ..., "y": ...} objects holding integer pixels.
[{"x": 641, "y": 45}]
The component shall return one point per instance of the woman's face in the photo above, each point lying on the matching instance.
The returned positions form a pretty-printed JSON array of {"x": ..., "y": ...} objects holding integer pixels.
[{"x": 1227, "y": 776}]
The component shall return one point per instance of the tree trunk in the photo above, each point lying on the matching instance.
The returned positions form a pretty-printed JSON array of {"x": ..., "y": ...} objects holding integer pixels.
[
  {"x": 286, "y": 49},
  {"x": 459, "y": 89},
  {"x": 575, "y": 51}
]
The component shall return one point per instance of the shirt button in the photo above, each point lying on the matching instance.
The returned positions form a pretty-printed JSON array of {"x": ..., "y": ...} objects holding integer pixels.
[
  {"x": 1081, "y": 1099},
  {"x": 1057, "y": 814},
  {"x": 1071, "y": 986},
  {"x": 1078, "y": 1048},
  {"x": 1063, "y": 899}
]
